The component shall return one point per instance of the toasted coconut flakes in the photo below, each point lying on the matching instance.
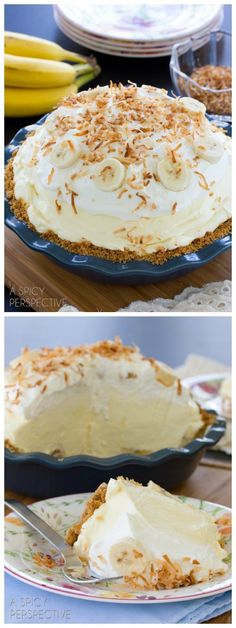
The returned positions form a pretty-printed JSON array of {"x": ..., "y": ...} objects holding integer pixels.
[
  {"x": 58, "y": 205},
  {"x": 177, "y": 147},
  {"x": 79, "y": 133},
  {"x": 119, "y": 230},
  {"x": 50, "y": 175},
  {"x": 48, "y": 145},
  {"x": 122, "y": 192},
  {"x": 179, "y": 387},
  {"x": 212, "y": 78},
  {"x": 44, "y": 388},
  {"x": 128, "y": 150},
  {"x": 44, "y": 560},
  {"x": 71, "y": 145},
  {"x": 73, "y": 194},
  {"x": 151, "y": 115},
  {"x": 142, "y": 202},
  {"x": 137, "y": 554},
  {"x": 203, "y": 183},
  {"x": 173, "y": 209},
  {"x": 132, "y": 184}
]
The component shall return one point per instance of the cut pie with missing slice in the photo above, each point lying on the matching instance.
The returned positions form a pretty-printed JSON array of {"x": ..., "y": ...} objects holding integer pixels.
[{"x": 102, "y": 399}]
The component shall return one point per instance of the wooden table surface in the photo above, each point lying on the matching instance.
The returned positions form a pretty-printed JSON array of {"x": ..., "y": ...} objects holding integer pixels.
[
  {"x": 210, "y": 481},
  {"x": 47, "y": 286}
]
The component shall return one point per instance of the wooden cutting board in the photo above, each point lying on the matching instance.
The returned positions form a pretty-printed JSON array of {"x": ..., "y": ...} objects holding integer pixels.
[{"x": 47, "y": 286}]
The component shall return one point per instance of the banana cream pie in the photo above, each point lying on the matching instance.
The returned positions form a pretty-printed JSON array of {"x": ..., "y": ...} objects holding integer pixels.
[
  {"x": 147, "y": 535},
  {"x": 124, "y": 173},
  {"x": 102, "y": 399}
]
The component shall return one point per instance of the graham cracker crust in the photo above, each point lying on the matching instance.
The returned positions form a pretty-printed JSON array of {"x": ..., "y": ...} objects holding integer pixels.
[
  {"x": 94, "y": 502},
  {"x": 19, "y": 208}
]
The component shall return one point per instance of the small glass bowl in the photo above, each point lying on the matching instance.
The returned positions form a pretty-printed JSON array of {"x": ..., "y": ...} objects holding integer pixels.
[{"x": 211, "y": 49}]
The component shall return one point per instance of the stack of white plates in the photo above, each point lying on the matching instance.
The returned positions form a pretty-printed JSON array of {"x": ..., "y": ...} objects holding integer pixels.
[{"x": 139, "y": 30}]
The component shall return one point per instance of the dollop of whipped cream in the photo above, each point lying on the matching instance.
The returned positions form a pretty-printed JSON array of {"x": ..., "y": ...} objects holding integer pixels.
[
  {"x": 126, "y": 168},
  {"x": 143, "y": 530}
]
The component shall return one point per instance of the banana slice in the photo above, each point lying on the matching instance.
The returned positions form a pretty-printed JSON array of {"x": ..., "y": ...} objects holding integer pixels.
[
  {"x": 127, "y": 556},
  {"x": 174, "y": 175},
  {"x": 64, "y": 154},
  {"x": 191, "y": 104},
  {"x": 209, "y": 147},
  {"x": 109, "y": 174}
]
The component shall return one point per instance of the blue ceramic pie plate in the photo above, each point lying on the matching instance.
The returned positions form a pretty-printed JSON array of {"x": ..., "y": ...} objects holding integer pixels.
[
  {"x": 41, "y": 475},
  {"x": 100, "y": 269}
]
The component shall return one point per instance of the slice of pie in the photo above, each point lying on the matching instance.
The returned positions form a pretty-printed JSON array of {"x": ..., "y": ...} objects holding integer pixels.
[
  {"x": 152, "y": 538},
  {"x": 124, "y": 172},
  {"x": 102, "y": 399}
]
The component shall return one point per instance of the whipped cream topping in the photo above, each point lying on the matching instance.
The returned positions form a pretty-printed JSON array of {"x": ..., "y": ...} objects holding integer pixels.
[
  {"x": 126, "y": 168},
  {"x": 139, "y": 526},
  {"x": 100, "y": 399}
]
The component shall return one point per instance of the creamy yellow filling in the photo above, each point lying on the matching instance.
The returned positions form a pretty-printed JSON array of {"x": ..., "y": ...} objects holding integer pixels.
[{"x": 72, "y": 425}]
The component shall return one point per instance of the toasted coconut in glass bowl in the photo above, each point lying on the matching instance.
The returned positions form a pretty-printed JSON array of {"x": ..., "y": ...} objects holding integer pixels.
[{"x": 200, "y": 68}]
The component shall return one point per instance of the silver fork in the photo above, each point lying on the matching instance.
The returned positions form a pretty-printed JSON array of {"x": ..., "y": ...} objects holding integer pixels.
[{"x": 73, "y": 568}]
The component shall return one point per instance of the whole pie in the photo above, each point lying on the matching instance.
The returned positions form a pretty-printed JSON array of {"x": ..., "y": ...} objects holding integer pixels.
[
  {"x": 102, "y": 399},
  {"x": 150, "y": 537},
  {"x": 124, "y": 172}
]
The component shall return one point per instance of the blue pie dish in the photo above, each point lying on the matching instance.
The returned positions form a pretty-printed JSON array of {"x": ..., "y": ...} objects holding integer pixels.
[
  {"x": 96, "y": 268},
  {"x": 41, "y": 475}
]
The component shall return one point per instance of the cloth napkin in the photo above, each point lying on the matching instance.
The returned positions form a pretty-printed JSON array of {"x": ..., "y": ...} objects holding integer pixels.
[
  {"x": 199, "y": 365},
  {"x": 27, "y": 605}
]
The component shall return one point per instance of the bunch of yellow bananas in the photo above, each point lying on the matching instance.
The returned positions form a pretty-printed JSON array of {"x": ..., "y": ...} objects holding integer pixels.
[{"x": 37, "y": 77}]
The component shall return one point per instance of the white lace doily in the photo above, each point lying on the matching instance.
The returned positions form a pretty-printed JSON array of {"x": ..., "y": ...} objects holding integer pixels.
[
  {"x": 68, "y": 308},
  {"x": 213, "y": 297}
]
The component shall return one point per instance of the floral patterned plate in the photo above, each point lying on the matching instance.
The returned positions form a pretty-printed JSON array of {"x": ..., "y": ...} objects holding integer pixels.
[{"x": 28, "y": 557}]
